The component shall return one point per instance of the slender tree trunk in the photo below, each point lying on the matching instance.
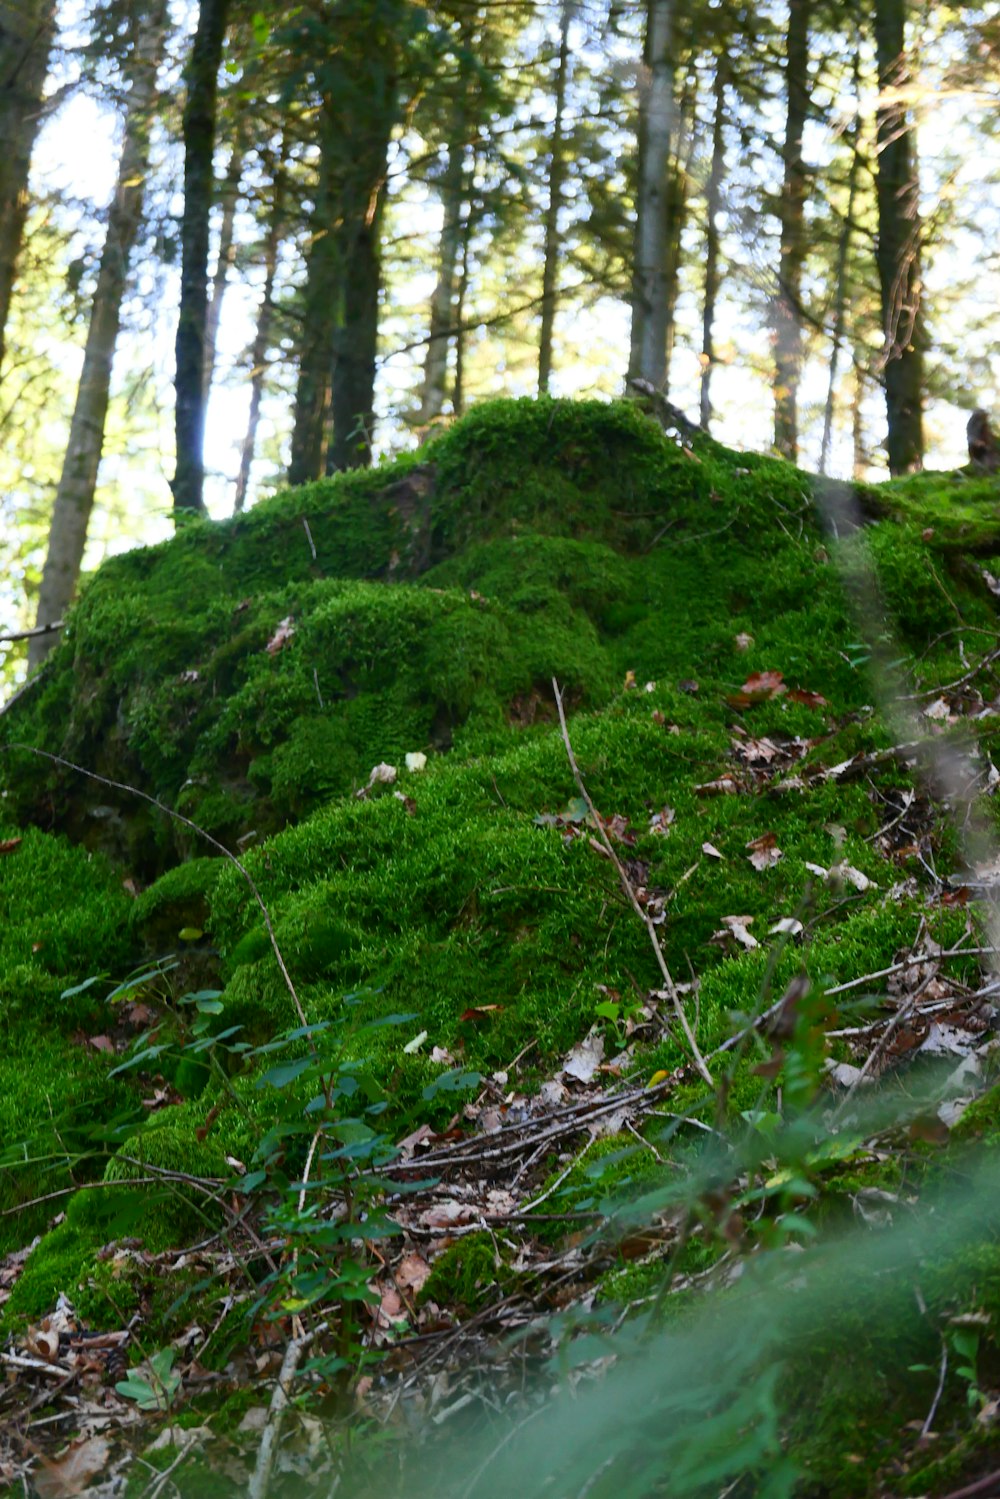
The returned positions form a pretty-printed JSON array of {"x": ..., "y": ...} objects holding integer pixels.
[
  {"x": 898, "y": 249},
  {"x": 78, "y": 481},
  {"x": 859, "y": 466},
  {"x": 262, "y": 335},
  {"x": 713, "y": 203},
  {"x": 648, "y": 351},
  {"x": 840, "y": 280},
  {"x": 678, "y": 181},
  {"x": 788, "y": 305},
  {"x": 202, "y": 77},
  {"x": 461, "y": 297},
  {"x": 435, "y": 379},
  {"x": 27, "y": 30},
  {"x": 224, "y": 265},
  {"x": 557, "y": 177}
]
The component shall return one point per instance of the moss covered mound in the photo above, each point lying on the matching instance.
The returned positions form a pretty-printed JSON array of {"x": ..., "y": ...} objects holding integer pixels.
[{"x": 452, "y": 916}]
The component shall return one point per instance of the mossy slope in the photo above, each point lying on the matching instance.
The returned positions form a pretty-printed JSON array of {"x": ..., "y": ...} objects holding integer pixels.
[{"x": 250, "y": 675}]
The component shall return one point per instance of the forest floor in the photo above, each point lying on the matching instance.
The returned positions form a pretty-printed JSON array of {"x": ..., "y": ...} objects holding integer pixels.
[{"x": 500, "y": 995}]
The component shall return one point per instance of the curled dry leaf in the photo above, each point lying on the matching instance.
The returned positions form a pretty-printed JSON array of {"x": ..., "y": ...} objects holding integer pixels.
[
  {"x": 711, "y": 850},
  {"x": 8, "y": 845},
  {"x": 736, "y": 928},
  {"x": 282, "y": 635},
  {"x": 764, "y": 851},
  {"x": 743, "y": 641},
  {"x": 660, "y": 821},
  {"x": 759, "y": 687},
  {"x": 71, "y": 1472},
  {"x": 726, "y": 785},
  {"x": 412, "y": 1272},
  {"x": 583, "y": 1060}
]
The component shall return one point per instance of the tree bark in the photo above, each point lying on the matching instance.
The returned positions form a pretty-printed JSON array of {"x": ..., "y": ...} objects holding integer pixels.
[
  {"x": 648, "y": 351},
  {"x": 898, "y": 248},
  {"x": 840, "y": 278},
  {"x": 202, "y": 77},
  {"x": 713, "y": 202},
  {"x": 27, "y": 30},
  {"x": 557, "y": 177},
  {"x": 461, "y": 297},
  {"x": 78, "y": 481},
  {"x": 677, "y": 186},
  {"x": 334, "y": 399},
  {"x": 434, "y": 386},
  {"x": 788, "y": 304},
  {"x": 262, "y": 334},
  {"x": 224, "y": 264}
]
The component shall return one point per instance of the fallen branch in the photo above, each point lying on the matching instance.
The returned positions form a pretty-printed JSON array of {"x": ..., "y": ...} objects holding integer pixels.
[
  {"x": 279, "y": 1401},
  {"x": 629, "y": 889}
]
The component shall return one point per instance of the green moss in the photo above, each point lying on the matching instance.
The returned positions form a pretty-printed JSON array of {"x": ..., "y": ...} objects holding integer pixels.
[{"x": 470, "y": 1273}]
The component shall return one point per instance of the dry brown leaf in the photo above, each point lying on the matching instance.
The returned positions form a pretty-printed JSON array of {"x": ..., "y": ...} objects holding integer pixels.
[
  {"x": 412, "y": 1272},
  {"x": 71, "y": 1472},
  {"x": 764, "y": 851}
]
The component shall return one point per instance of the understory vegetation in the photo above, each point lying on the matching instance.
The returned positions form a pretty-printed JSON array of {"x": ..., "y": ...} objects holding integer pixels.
[{"x": 341, "y": 982}]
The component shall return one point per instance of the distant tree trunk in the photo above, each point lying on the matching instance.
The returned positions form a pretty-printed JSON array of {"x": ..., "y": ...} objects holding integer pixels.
[
  {"x": 226, "y": 260},
  {"x": 78, "y": 481},
  {"x": 713, "y": 202},
  {"x": 648, "y": 350},
  {"x": 335, "y": 393},
  {"x": 27, "y": 30},
  {"x": 898, "y": 249},
  {"x": 202, "y": 78},
  {"x": 840, "y": 278},
  {"x": 557, "y": 176},
  {"x": 677, "y": 185},
  {"x": 859, "y": 465},
  {"x": 433, "y": 389},
  {"x": 262, "y": 335},
  {"x": 461, "y": 297},
  {"x": 788, "y": 305}
]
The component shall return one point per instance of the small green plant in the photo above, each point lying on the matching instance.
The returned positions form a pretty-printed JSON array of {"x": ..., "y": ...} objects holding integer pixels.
[{"x": 156, "y": 1389}]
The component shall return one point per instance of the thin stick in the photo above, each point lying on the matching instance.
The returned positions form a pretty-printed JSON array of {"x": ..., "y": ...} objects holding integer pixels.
[
  {"x": 30, "y": 634},
  {"x": 266, "y": 1452},
  {"x": 627, "y": 886},
  {"x": 186, "y": 821}
]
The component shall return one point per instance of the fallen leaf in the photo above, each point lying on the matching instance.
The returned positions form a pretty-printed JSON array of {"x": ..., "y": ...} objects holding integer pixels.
[
  {"x": 736, "y": 928},
  {"x": 282, "y": 635},
  {"x": 415, "y": 761},
  {"x": 788, "y": 926},
  {"x": 71, "y": 1472},
  {"x": 806, "y": 698},
  {"x": 711, "y": 850},
  {"x": 629, "y": 681},
  {"x": 938, "y": 709},
  {"x": 758, "y": 688},
  {"x": 8, "y": 845},
  {"x": 743, "y": 641},
  {"x": 660, "y": 821},
  {"x": 726, "y": 785},
  {"x": 764, "y": 851},
  {"x": 412, "y": 1272},
  {"x": 583, "y": 1060}
]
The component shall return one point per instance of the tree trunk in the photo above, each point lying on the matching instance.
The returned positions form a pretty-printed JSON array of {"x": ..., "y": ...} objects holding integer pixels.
[
  {"x": 840, "y": 280},
  {"x": 334, "y": 398},
  {"x": 648, "y": 351},
  {"x": 788, "y": 305},
  {"x": 78, "y": 481},
  {"x": 678, "y": 181},
  {"x": 898, "y": 249},
  {"x": 227, "y": 258},
  {"x": 859, "y": 465},
  {"x": 442, "y": 303},
  {"x": 713, "y": 202},
  {"x": 352, "y": 386},
  {"x": 27, "y": 30},
  {"x": 202, "y": 77},
  {"x": 461, "y": 297},
  {"x": 262, "y": 335},
  {"x": 557, "y": 176}
]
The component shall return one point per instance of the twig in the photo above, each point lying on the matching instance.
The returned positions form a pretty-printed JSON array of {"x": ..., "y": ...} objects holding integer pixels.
[
  {"x": 963, "y": 681},
  {"x": 924, "y": 1430},
  {"x": 31, "y": 634},
  {"x": 629, "y": 890},
  {"x": 985, "y": 1486},
  {"x": 914, "y": 961},
  {"x": 186, "y": 821},
  {"x": 279, "y": 1401}
]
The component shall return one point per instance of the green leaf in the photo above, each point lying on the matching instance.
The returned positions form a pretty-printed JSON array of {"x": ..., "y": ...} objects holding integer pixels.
[{"x": 80, "y": 988}]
